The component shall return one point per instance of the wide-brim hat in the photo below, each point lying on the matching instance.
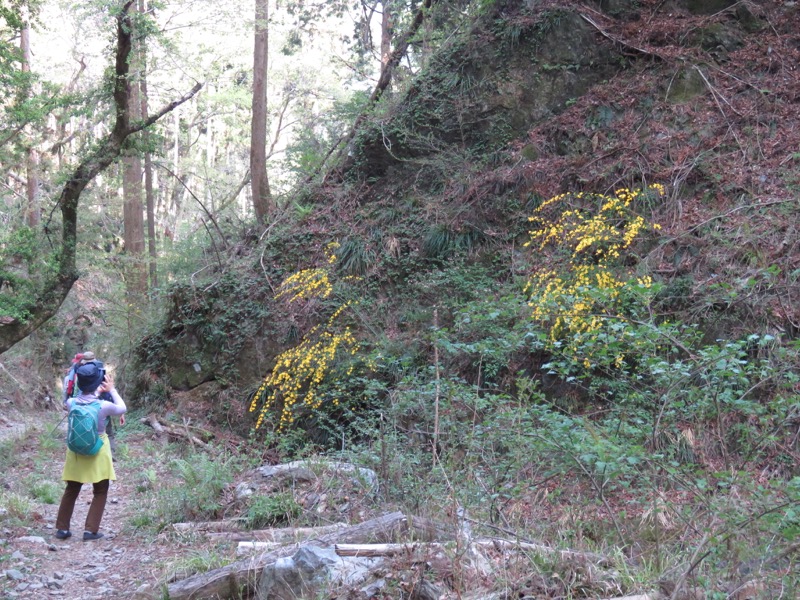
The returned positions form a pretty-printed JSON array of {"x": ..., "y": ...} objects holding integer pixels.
[{"x": 90, "y": 376}]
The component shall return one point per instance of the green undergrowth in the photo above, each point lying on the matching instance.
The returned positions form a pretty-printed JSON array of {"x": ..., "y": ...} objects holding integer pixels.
[
  {"x": 548, "y": 394},
  {"x": 638, "y": 438},
  {"x": 177, "y": 485},
  {"x": 27, "y": 485},
  {"x": 273, "y": 510}
]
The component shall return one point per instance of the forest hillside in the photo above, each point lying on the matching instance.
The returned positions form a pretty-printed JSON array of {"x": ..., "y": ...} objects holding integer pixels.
[
  {"x": 563, "y": 263},
  {"x": 547, "y": 285}
]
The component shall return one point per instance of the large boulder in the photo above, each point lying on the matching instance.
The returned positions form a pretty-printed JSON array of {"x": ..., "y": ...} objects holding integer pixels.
[{"x": 310, "y": 571}]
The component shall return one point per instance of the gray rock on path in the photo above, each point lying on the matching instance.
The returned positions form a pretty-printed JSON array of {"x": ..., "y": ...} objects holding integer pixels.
[
  {"x": 244, "y": 490},
  {"x": 34, "y": 539},
  {"x": 311, "y": 570},
  {"x": 425, "y": 590},
  {"x": 147, "y": 592},
  {"x": 374, "y": 588}
]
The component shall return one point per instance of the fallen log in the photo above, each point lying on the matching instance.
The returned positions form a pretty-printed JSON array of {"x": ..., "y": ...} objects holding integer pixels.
[
  {"x": 427, "y": 530},
  {"x": 306, "y": 470},
  {"x": 252, "y": 547},
  {"x": 239, "y": 579},
  {"x": 153, "y": 422},
  {"x": 373, "y": 550},
  {"x": 229, "y": 525},
  {"x": 286, "y": 535},
  {"x": 175, "y": 432}
]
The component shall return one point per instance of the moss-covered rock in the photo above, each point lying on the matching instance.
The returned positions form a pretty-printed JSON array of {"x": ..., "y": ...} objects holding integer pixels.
[{"x": 688, "y": 83}]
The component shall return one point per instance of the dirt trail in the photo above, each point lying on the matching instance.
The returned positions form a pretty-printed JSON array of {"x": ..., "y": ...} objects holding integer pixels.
[{"x": 35, "y": 565}]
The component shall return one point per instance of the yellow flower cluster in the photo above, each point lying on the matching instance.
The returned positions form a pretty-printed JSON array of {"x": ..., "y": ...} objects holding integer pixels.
[
  {"x": 306, "y": 284},
  {"x": 595, "y": 240},
  {"x": 310, "y": 283},
  {"x": 330, "y": 252},
  {"x": 299, "y": 371},
  {"x": 593, "y": 236}
]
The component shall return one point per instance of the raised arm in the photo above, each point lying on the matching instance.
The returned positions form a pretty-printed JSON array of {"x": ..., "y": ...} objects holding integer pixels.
[{"x": 117, "y": 405}]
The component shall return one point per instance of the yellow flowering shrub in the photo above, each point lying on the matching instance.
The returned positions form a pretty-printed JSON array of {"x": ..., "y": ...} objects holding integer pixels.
[
  {"x": 299, "y": 371},
  {"x": 310, "y": 283},
  {"x": 305, "y": 285},
  {"x": 577, "y": 300}
]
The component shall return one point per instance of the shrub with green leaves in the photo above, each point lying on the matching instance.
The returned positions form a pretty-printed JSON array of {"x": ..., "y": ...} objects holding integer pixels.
[{"x": 23, "y": 269}]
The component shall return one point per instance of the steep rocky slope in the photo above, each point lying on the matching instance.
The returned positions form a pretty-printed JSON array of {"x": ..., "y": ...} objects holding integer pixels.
[{"x": 536, "y": 99}]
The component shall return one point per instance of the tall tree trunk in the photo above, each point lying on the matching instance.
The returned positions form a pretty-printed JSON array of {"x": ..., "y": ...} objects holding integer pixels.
[
  {"x": 133, "y": 209},
  {"x": 148, "y": 169},
  {"x": 133, "y": 213},
  {"x": 259, "y": 182},
  {"x": 32, "y": 210},
  {"x": 167, "y": 202},
  {"x": 33, "y": 213},
  {"x": 210, "y": 151},
  {"x": 173, "y": 199},
  {"x": 387, "y": 26}
]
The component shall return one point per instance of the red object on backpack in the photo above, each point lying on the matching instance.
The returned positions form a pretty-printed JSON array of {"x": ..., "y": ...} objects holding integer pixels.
[{"x": 71, "y": 382}]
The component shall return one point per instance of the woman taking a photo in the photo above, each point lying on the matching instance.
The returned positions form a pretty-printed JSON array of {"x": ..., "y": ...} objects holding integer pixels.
[{"x": 97, "y": 469}]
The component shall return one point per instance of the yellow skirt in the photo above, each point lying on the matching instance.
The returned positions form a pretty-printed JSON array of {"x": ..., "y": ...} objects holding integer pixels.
[{"x": 90, "y": 469}]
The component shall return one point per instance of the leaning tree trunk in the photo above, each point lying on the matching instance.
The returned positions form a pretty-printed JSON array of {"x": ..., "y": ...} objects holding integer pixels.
[
  {"x": 104, "y": 153},
  {"x": 387, "y": 25},
  {"x": 342, "y": 163}
]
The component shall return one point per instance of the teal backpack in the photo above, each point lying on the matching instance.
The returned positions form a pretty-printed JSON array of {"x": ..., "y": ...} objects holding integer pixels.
[{"x": 82, "y": 436}]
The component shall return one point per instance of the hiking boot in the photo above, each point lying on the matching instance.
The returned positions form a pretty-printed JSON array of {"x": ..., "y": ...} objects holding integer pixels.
[
  {"x": 88, "y": 535},
  {"x": 63, "y": 534}
]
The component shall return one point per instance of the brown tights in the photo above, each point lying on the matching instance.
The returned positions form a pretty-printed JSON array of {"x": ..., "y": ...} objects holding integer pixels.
[{"x": 95, "y": 510}]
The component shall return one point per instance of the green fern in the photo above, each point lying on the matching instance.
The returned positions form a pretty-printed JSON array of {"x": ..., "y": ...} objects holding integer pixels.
[
  {"x": 439, "y": 242},
  {"x": 353, "y": 257}
]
